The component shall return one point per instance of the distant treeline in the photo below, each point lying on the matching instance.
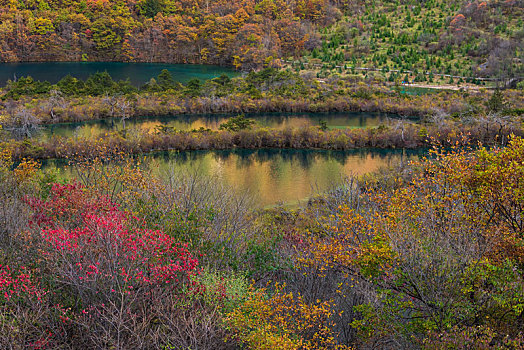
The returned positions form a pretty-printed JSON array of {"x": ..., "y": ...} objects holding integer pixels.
[
  {"x": 269, "y": 90},
  {"x": 98, "y": 84}
]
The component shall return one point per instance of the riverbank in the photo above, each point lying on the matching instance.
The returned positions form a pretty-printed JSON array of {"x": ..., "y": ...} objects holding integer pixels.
[
  {"x": 97, "y": 108},
  {"x": 30, "y": 103},
  {"x": 398, "y": 134}
]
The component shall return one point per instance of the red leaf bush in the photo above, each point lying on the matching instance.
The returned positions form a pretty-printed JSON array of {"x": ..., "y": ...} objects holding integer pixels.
[
  {"x": 16, "y": 284},
  {"x": 107, "y": 269},
  {"x": 27, "y": 317}
]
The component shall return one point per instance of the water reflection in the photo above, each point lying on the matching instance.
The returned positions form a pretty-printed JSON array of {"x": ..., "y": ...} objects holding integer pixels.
[
  {"x": 272, "y": 175},
  {"x": 190, "y": 122}
]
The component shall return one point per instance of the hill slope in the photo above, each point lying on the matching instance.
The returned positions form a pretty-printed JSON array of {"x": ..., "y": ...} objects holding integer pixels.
[{"x": 466, "y": 38}]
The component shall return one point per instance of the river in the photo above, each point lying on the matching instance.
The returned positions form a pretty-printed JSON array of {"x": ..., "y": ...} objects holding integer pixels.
[
  {"x": 212, "y": 121},
  {"x": 138, "y": 73},
  {"x": 271, "y": 176}
]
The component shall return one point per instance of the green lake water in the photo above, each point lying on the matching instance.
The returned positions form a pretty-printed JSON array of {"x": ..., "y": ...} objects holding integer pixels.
[
  {"x": 272, "y": 176},
  {"x": 138, "y": 73},
  {"x": 189, "y": 122}
]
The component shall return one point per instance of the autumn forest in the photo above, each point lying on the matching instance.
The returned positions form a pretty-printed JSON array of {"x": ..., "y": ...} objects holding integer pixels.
[
  {"x": 241, "y": 33},
  {"x": 269, "y": 174}
]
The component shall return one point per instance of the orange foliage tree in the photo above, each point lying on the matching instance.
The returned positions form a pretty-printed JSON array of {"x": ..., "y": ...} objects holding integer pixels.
[{"x": 436, "y": 255}]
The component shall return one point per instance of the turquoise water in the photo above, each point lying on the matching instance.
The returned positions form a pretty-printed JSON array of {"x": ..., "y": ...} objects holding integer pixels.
[
  {"x": 189, "y": 122},
  {"x": 272, "y": 176},
  {"x": 138, "y": 73},
  {"x": 419, "y": 91}
]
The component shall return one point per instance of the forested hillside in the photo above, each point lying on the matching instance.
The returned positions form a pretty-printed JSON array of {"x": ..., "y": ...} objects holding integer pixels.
[
  {"x": 238, "y": 32},
  {"x": 468, "y": 38},
  {"x": 428, "y": 41}
]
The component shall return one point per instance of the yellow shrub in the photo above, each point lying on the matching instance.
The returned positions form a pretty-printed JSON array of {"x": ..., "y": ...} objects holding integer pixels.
[{"x": 282, "y": 321}]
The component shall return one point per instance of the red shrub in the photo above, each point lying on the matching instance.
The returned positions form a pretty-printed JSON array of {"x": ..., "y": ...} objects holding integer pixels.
[
  {"x": 107, "y": 269},
  {"x": 67, "y": 205},
  {"x": 17, "y": 284},
  {"x": 27, "y": 317},
  {"x": 106, "y": 250}
]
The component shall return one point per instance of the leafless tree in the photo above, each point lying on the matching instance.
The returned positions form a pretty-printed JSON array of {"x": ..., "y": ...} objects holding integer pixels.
[
  {"x": 124, "y": 107},
  {"x": 399, "y": 124},
  {"x": 111, "y": 101},
  {"x": 10, "y": 107},
  {"x": 190, "y": 192},
  {"x": 438, "y": 118},
  {"x": 495, "y": 124},
  {"x": 13, "y": 211},
  {"x": 56, "y": 100},
  {"x": 501, "y": 64},
  {"x": 23, "y": 124}
]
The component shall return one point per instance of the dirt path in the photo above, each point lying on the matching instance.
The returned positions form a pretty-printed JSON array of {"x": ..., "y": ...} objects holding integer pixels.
[{"x": 469, "y": 87}]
